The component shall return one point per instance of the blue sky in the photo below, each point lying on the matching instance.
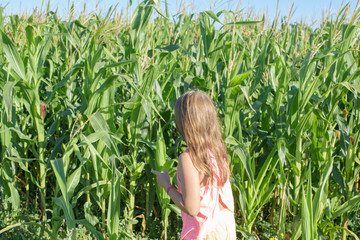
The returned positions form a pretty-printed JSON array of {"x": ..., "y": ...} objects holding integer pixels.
[{"x": 306, "y": 10}]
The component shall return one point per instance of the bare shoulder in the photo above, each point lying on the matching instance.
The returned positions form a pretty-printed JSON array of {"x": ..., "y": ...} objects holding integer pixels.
[
  {"x": 185, "y": 159},
  {"x": 185, "y": 163}
]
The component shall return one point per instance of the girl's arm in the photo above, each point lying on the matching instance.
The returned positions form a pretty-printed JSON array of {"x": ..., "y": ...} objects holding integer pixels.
[
  {"x": 190, "y": 184},
  {"x": 189, "y": 200}
]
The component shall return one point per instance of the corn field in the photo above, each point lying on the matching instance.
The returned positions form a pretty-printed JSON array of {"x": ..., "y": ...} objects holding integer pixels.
[{"x": 87, "y": 111}]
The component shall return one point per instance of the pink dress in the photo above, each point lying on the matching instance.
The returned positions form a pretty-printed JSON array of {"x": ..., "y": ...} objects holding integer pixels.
[{"x": 211, "y": 222}]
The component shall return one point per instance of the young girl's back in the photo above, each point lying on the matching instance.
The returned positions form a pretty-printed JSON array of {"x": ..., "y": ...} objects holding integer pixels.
[
  {"x": 204, "y": 192},
  {"x": 215, "y": 219}
]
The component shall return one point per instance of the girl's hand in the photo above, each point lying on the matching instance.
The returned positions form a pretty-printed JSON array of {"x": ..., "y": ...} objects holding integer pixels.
[{"x": 162, "y": 178}]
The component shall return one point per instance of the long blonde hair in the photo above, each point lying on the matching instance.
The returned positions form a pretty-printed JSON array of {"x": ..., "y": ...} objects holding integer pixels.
[{"x": 197, "y": 122}]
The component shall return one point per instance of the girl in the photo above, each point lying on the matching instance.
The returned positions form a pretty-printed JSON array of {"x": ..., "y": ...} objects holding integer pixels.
[{"x": 204, "y": 192}]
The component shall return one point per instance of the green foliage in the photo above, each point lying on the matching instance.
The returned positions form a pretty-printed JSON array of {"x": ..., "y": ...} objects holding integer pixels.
[{"x": 87, "y": 111}]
